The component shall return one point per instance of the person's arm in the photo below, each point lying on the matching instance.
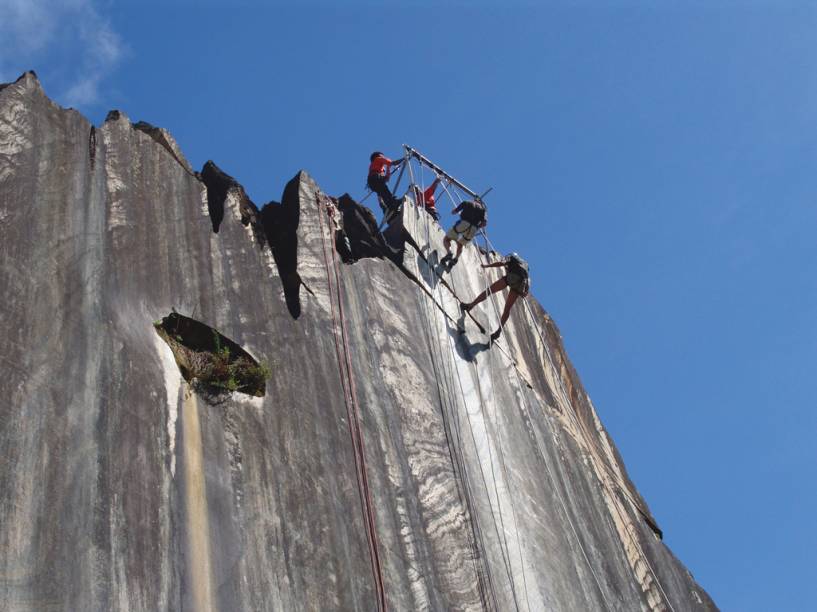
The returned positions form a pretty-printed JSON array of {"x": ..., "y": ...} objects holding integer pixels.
[
  {"x": 496, "y": 264},
  {"x": 457, "y": 209},
  {"x": 428, "y": 193},
  {"x": 392, "y": 165}
]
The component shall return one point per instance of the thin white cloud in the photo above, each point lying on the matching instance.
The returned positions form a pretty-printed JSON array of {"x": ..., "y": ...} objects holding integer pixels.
[
  {"x": 72, "y": 36},
  {"x": 102, "y": 52},
  {"x": 25, "y": 28}
]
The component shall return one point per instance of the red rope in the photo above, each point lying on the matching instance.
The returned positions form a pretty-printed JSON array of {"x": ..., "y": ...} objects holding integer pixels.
[{"x": 353, "y": 414}]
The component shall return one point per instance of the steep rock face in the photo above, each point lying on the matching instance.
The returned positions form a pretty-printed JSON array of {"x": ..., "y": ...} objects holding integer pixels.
[{"x": 393, "y": 459}]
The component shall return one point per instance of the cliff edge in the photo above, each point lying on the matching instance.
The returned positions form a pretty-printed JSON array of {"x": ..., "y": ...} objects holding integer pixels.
[{"x": 394, "y": 460}]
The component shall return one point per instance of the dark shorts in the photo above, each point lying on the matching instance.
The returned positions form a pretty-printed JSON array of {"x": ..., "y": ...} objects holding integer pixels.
[{"x": 520, "y": 284}]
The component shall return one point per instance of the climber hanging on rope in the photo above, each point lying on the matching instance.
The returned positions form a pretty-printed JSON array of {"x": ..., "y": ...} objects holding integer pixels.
[
  {"x": 516, "y": 279},
  {"x": 426, "y": 198},
  {"x": 473, "y": 217},
  {"x": 379, "y": 173}
]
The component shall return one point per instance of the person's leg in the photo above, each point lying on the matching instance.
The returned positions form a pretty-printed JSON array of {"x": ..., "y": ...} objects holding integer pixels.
[
  {"x": 509, "y": 302},
  {"x": 506, "y": 312},
  {"x": 454, "y": 234},
  {"x": 374, "y": 185},
  {"x": 378, "y": 185},
  {"x": 497, "y": 286},
  {"x": 395, "y": 201},
  {"x": 450, "y": 235},
  {"x": 466, "y": 234}
]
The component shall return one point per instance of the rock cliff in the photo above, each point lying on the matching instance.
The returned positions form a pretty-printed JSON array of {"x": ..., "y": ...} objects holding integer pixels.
[{"x": 393, "y": 460}]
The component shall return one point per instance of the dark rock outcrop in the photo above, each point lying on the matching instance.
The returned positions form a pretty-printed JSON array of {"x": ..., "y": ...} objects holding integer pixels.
[
  {"x": 361, "y": 228},
  {"x": 280, "y": 222},
  {"x": 394, "y": 457},
  {"x": 221, "y": 186}
]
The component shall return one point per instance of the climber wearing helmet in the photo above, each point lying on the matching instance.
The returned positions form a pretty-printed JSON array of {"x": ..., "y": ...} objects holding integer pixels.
[
  {"x": 379, "y": 173},
  {"x": 516, "y": 279}
]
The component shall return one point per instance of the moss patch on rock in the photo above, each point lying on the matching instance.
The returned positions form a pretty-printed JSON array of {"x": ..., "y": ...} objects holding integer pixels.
[{"x": 205, "y": 355}]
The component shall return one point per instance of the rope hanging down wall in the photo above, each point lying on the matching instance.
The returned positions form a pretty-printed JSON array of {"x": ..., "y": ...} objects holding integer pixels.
[
  {"x": 489, "y": 247},
  {"x": 458, "y": 449},
  {"x": 412, "y": 154},
  {"x": 353, "y": 412},
  {"x": 506, "y": 550}
]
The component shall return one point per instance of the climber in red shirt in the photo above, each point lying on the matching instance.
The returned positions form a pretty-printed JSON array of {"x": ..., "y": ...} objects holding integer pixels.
[
  {"x": 426, "y": 198},
  {"x": 379, "y": 173}
]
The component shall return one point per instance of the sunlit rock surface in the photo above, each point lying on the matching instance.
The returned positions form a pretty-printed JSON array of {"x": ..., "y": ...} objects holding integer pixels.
[{"x": 392, "y": 458}]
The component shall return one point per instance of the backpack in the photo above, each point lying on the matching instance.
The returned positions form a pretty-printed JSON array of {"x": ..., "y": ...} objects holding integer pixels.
[
  {"x": 474, "y": 212},
  {"x": 517, "y": 266},
  {"x": 517, "y": 277}
]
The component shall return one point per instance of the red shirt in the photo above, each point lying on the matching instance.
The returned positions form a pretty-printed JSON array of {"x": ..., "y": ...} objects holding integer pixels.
[
  {"x": 381, "y": 165},
  {"x": 428, "y": 196}
]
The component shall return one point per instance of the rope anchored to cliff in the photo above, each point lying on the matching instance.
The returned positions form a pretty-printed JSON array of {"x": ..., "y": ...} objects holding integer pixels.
[
  {"x": 501, "y": 533},
  {"x": 353, "y": 413},
  {"x": 520, "y": 291}
]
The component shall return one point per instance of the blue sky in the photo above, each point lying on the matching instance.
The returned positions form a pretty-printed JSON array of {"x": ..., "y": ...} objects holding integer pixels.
[{"x": 657, "y": 166}]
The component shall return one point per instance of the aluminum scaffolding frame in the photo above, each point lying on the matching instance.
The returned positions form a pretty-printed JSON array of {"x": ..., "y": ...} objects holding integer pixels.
[{"x": 412, "y": 152}]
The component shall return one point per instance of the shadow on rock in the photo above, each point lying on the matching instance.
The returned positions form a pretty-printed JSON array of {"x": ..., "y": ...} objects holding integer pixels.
[
  {"x": 219, "y": 184},
  {"x": 280, "y": 223},
  {"x": 430, "y": 269},
  {"x": 360, "y": 227},
  {"x": 466, "y": 349}
]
